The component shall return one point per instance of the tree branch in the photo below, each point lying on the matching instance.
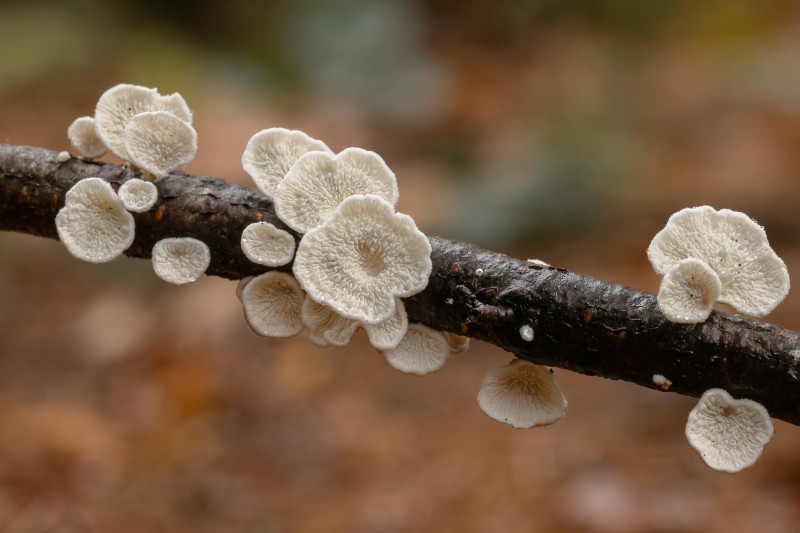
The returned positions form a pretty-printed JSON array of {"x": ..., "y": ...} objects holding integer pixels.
[{"x": 582, "y": 324}]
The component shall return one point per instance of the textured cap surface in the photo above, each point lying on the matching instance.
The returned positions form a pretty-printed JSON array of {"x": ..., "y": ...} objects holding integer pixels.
[
  {"x": 272, "y": 303},
  {"x": 363, "y": 257},
  {"x": 318, "y": 182},
  {"x": 93, "y": 224},
  {"x": 522, "y": 395},
  {"x": 688, "y": 291},
  {"x": 271, "y": 153},
  {"x": 138, "y": 195},
  {"x": 159, "y": 142},
  {"x": 421, "y": 351},
  {"x": 180, "y": 260},
  {"x": 83, "y": 138},
  {"x": 264, "y": 244},
  {"x": 729, "y": 434}
]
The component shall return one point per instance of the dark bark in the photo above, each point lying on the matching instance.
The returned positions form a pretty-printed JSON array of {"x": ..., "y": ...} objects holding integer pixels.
[{"x": 582, "y": 324}]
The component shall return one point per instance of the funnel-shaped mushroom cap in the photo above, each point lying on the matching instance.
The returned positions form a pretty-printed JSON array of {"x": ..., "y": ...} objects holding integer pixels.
[
  {"x": 388, "y": 333},
  {"x": 271, "y": 153},
  {"x": 83, "y": 138},
  {"x": 754, "y": 279},
  {"x": 93, "y": 224},
  {"x": 421, "y": 351},
  {"x": 688, "y": 292},
  {"x": 118, "y": 105},
  {"x": 264, "y": 244},
  {"x": 159, "y": 142},
  {"x": 729, "y": 434},
  {"x": 180, "y": 260},
  {"x": 325, "y": 326},
  {"x": 272, "y": 303},
  {"x": 523, "y": 395},
  {"x": 363, "y": 257},
  {"x": 318, "y": 182},
  {"x": 138, "y": 195}
]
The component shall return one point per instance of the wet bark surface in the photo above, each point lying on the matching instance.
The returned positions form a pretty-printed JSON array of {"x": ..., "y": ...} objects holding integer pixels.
[{"x": 579, "y": 323}]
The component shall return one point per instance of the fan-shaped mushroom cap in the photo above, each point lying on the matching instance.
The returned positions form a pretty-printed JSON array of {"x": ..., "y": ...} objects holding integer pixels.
[
  {"x": 264, "y": 244},
  {"x": 421, "y": 351},
  {"x": 138, "y": 195},
  {"x": 754, "y": 279},
  {"x": 457, "y": 343},
  {"x": 522, "y": 394},
  {"x": 729, "y": 434},
  {"x": 93, "y": 224},
  {"x": 388, "y": 333},
  {"x": 159, "y": 142},
  {"x": 688, "y": 291},
  {"x": 318, "y": 182},
  {"x": 180, "y": 260},
  {"x": 272, "y": 303},
  {"x": 83, "y": 138},
  {"x": 271, "y": 153},
  {"x": 363, "y": 257},
  {"x": 325, "y": 326},
  {"x": 118, "y": 105}
]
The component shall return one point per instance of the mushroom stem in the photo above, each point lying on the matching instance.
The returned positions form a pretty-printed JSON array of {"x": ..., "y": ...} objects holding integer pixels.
[{"x": 593, "y": 327}]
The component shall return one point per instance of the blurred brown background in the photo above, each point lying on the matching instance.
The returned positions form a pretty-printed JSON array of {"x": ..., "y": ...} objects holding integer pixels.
[{"x": 565, "y": 130}]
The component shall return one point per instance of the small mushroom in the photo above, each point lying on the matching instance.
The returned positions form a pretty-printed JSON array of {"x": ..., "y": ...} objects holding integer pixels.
[
  {"x": 272, "y": 305},
  {"x": 325, "y": 326},
  {"x": 421, "y": 351},
  {"x": 754, "y": 279},
  {"x": 180, "y": 260},
  {"x": 271, "y": 153},
  {"x": 522, "y": 395},
  {"x": 362, "y": 258},
  {"x": 387, "y": 334},
  {"x": 729, "y": 434},
  {"x": 688, "y": 291},
  {"x": 138, "y": 195},
  {"x": 264, "y": 244},
  {"x": 93, "y": 224},
  {"x": 318, "y": 182},
  {"x": 159, "y": 142},
  {"x": 84, "y": 140},
  {"x": 118, "y": 105}
]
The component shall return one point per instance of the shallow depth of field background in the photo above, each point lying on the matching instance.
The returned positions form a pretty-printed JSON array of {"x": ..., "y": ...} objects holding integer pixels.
[{"x": 566, "y": 131}]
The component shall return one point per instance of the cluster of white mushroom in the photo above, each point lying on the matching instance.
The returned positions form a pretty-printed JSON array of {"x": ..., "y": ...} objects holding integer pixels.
[
  {"x": 151, "y": 132},
  {"x": 357, "y": 257},
  {"x": 707, "y": 256}
]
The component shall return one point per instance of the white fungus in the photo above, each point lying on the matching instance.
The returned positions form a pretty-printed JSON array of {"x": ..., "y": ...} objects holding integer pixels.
[
  {"x": 118, "y": 105},
  {"x": 264, "y": 244},
  {"x": 522, "y": 395},
  {"x": 362, "y": 258},
  {"x": 325, "y": 326},
  {"x": 421, "y": 351},
  {"x": 754, "y": 279},
  {"x": 83, "y": 138},
  {"x": 93, "y": 224},
  {"x": 526, "y": 332},
  {"x": 180, "y": 260},
  {"x": 388, "y": 333},
  {"x": 138, "y": 195},
  {"x": 272, "y": 303},
  {"x": 661, "y": 381},
  {"x": 271, "y": 153},
  {"x": 729, "y": 434},
  {"x": 479, "y": 272},
  {"x": 159, "y": 142},
  {"x": 318, "y": 182},
  {"x": 241, "y": 285},
  {"x": 688, "y": 291},
  {"x": 62, "y": 157}
]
